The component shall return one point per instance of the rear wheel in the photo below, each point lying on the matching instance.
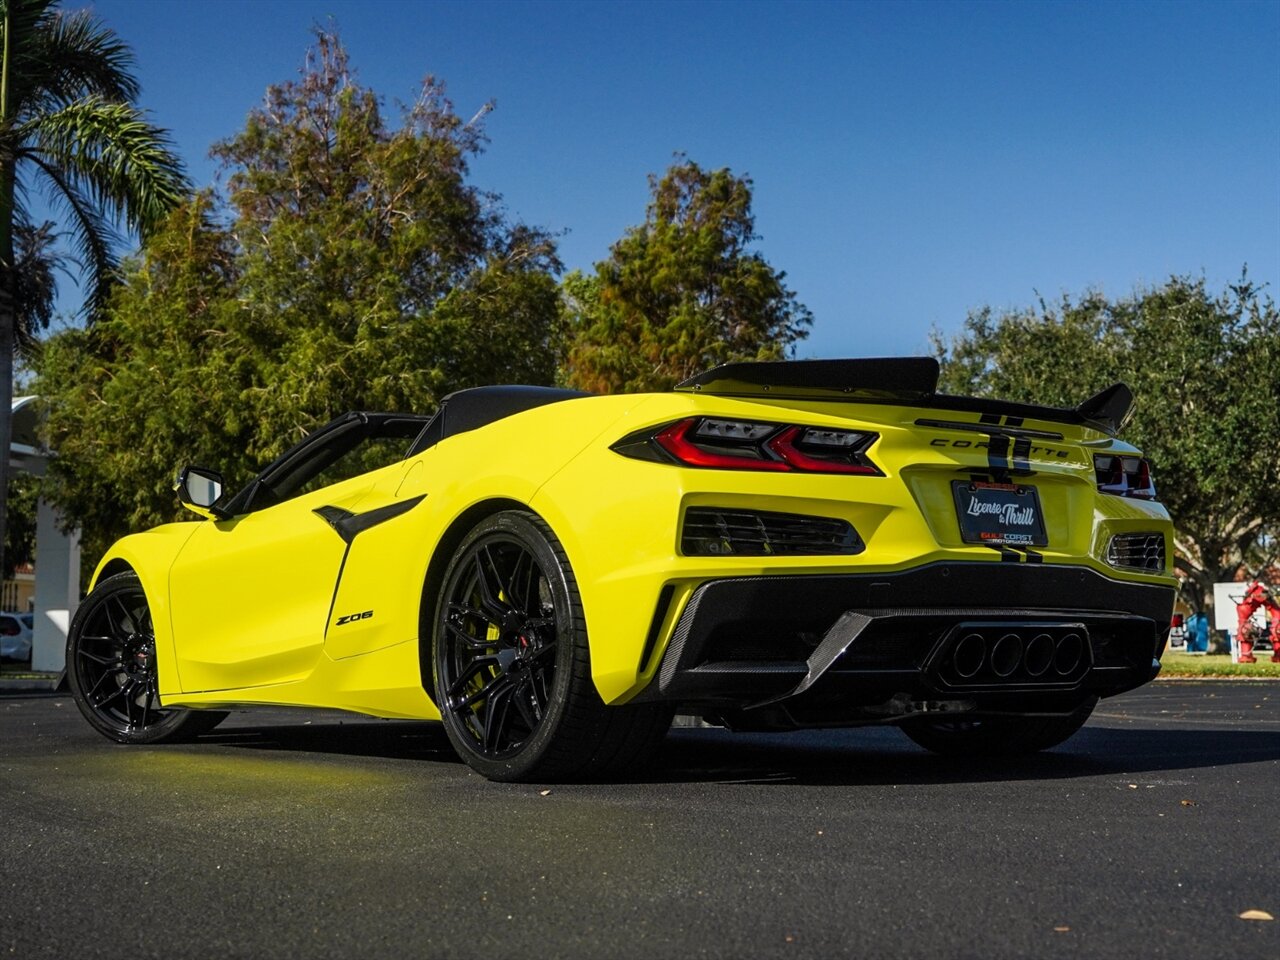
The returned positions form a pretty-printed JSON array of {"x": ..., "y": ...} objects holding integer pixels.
[
  {"x": 511, "y": 669},
  {"x": 111, "y": 669},
  {"x": 997, "y": 736}
]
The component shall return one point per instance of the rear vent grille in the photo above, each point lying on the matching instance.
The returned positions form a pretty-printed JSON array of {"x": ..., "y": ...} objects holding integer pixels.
[
  {"x": 1137, "y": 551},
  {"x": 715, "y": 532}
]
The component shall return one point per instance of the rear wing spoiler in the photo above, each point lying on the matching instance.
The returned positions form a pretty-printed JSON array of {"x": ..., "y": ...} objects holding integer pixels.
[{"x": 906, "y": 381}]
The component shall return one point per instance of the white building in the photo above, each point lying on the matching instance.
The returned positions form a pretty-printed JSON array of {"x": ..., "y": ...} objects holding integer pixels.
[{"x": 57, "y": 554}]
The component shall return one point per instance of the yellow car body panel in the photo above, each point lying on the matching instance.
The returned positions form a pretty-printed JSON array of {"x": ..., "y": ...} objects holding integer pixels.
[
  {"x": 631, "y": 536},
  {"x": 273, "y": 607}
]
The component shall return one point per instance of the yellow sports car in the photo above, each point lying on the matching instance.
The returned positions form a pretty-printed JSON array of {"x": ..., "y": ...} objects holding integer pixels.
[{"x": 553, "y": 575}]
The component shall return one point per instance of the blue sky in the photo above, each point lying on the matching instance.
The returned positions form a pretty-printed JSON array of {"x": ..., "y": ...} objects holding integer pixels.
[{"x": 912, "y": 161}]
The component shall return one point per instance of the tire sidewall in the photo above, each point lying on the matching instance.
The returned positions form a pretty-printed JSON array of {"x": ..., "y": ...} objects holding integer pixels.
[
  {"x": 102, "y": 593},
  {"x": 535, "y": 536}
]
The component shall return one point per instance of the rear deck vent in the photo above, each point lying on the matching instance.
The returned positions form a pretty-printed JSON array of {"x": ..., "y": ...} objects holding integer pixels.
[
  {"x": 1137, "y": 551},
  {"x": 718, "y": 532}
]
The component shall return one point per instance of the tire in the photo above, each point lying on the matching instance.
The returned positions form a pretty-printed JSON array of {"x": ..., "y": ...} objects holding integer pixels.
[
  {"x": 111, "y": 669},
  {"x": 511, "y": 667},
  {"x": 997, "y": 736}
]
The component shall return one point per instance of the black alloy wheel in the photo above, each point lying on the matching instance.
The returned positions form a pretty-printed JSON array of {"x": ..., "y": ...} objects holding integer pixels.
[
  {"x": 511, "y": 663},
  {"x": 112, "y": 671},
  {"x": 997, "y": 736}
]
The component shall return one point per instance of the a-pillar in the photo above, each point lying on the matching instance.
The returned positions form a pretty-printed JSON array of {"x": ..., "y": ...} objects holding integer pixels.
[{"x": 57, "y": 589}]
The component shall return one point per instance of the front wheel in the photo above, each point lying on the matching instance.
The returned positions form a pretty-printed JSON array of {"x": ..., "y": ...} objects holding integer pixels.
[
  {"x": 111, "y": 669},
  {"x": 511, "y": 670},
  {"x": 997, "y": 736}
]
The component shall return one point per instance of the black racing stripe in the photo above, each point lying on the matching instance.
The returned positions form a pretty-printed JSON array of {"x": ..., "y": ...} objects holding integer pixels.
[
  {"x": 1010, "y": 556},
  {"x": 998, "y": 457},
  {"x": 989, "y": 418},
  {"x": 1013, "y": 421},
  {"x": 1022, "y": 456},
  {"x": 1033, "y": 557}
]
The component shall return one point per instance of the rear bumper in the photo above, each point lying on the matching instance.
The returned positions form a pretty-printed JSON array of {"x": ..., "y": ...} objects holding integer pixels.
[{"x": 974, "y": 637}]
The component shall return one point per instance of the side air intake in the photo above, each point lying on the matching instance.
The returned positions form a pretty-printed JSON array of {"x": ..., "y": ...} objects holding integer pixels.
[{"x": 719, "y": 532}]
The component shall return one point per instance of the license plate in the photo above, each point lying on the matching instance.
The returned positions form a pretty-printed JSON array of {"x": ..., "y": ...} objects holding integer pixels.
[{"x": 999, "y": 514}]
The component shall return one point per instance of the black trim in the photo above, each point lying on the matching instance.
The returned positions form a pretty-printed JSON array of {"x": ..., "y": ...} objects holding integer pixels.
[
  {"x": 1110, "y": 408},
  {"x": 655, "y": 625},
  {"x": 905, "y": 381},
  {"x": 333, "y": 598},
  {"x": 467, "y": 410},
  {"x": 333, "y": 516},
  {"x": 279, "y": 480},
  {"x": 884, "y": 378},
  {"x": 348, "y": 526},
  {"x": 842, "y": 643},
  {"x": 1013, "y": 427}
]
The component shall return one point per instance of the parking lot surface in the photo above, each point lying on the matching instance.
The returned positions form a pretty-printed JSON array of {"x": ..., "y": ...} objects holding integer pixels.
[{"x": 307, "y": 834}]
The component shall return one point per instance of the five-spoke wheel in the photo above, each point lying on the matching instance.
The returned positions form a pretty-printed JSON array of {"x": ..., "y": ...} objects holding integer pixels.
[
  {"x": 111, "y": 668},
  {"x": 511, "y": 665}
]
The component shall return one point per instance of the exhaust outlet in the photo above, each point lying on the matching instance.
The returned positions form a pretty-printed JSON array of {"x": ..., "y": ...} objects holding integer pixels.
[
  {"x": 1067, "y": 658},
  {"x": 1004, "y": 654},
  {"x": 969, "y": 656},
  {"x": 1039, "y": 655}
]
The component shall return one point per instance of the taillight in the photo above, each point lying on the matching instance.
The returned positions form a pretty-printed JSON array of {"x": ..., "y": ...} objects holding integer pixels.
[
  {"x": 749, "y": 445},
  {"x": 1124, "y": 476}
]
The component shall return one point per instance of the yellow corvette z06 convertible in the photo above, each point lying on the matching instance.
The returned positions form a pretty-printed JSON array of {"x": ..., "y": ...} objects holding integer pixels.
[{"x": 553, "y": 575}]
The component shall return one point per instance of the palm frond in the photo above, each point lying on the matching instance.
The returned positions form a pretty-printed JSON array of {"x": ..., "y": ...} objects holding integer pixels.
[
  {"x": 122, "y": 162},
  {"x": 37, "y": 261},
  {"x": 26, "y": 21},
  {"x": 72, "y": 56},
  {"x": 91, "y": 233}
]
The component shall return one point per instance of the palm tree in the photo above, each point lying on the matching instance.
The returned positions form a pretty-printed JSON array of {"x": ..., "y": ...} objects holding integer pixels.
[{"x": 68, "y": 125}]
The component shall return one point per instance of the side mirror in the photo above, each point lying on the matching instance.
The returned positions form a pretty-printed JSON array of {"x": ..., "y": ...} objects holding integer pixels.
[{"x": 198, "y": 489}]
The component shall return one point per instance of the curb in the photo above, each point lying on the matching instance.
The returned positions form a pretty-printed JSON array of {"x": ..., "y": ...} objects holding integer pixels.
[{"x": 34, "y": 683}]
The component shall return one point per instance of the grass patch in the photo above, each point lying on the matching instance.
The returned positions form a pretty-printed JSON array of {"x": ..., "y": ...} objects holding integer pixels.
[{"x": 1177, "y": 664}]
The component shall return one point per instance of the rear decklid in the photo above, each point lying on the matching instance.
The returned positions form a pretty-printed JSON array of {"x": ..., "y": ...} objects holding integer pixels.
[{"x": 981, "y": 472}]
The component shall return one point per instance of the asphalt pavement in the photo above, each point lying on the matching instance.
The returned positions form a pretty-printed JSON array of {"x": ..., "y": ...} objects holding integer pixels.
[{"x": 308, "y": 834}]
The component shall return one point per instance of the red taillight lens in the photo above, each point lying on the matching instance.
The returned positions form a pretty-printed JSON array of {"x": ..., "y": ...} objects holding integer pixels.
[
  {"x": 1124, "y": 476},
  {"x": 675, "y": 440},
  {"x": 748, "y": 445},
  {"x": 791, "y": 445}
]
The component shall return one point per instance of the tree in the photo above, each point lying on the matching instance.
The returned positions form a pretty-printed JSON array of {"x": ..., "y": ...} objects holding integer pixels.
[
  {"x": 1204, "y": 371},
  {"x": 353, "y": 266},
  {"x": 372, "y": 273},
  {"x": 681, "y": 292},
  {"x": 68, "y": 125}
]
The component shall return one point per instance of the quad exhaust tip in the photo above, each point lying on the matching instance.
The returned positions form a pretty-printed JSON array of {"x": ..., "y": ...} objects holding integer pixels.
[{"x": 1001, "y": 653}]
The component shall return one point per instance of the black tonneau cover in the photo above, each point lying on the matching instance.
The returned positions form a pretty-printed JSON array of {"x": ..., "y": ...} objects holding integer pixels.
[{"x": 909, "y": 381}]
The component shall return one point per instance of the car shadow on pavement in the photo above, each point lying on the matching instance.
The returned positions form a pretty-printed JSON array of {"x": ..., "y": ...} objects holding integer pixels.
[
  {"x": 390, "y": 740},
  {"x": 832, "y": 757},
  {"x": 885, "y": 756}
]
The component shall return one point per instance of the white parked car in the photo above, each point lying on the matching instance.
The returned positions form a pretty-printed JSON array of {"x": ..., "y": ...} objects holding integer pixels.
[{"x": 15, "y": 635}]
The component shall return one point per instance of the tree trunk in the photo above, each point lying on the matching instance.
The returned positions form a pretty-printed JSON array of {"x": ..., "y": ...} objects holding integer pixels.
[{"x": 7, "y": 186}]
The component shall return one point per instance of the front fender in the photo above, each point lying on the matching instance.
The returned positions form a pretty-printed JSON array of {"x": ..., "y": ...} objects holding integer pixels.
[{"x": 151, "y": 555}]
